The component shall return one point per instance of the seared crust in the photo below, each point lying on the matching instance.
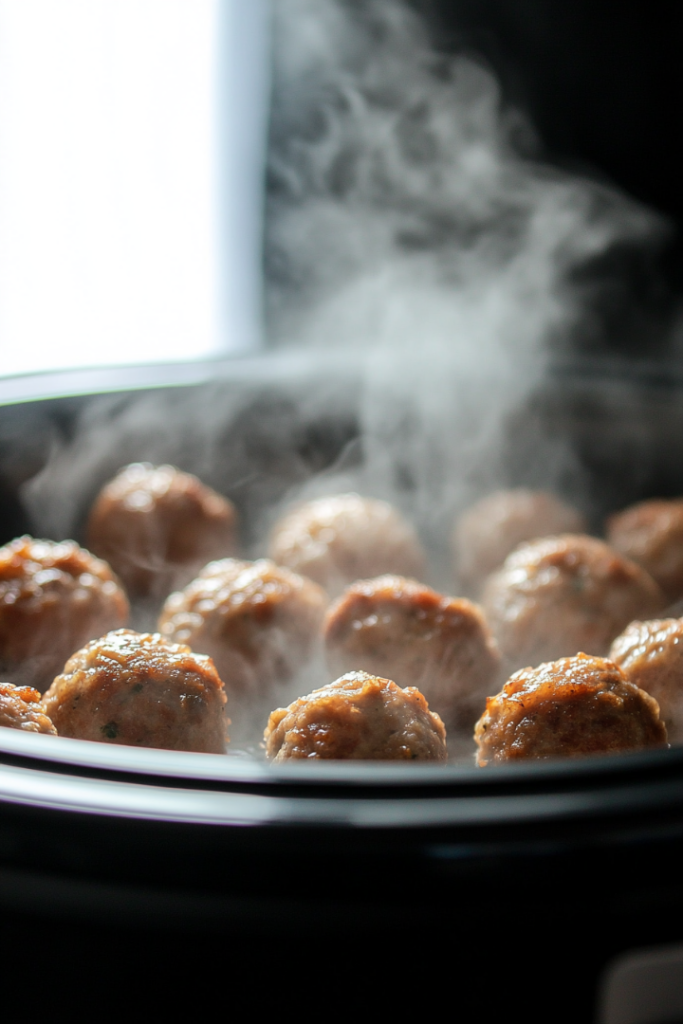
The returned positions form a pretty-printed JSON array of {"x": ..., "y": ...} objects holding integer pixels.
[
  {"x": 157, "y": 527},
  {"x": 138, "y": 689},
  {"x": 567, "y": 708},
  {"x": 651, "y": 534},
  {"x": 402, "y": 630},
  {"x": 258, "y": 621},
  {"x": 53, "y": 599},
  {"x": 358, "y": 717},
  {"x": 556, "y": 596},
  {"x": 489, "y": 530},
  {"x": 21, "y": 708},
  {"x": 651, "y": 656},
  {"x": 337, "y": 540}
]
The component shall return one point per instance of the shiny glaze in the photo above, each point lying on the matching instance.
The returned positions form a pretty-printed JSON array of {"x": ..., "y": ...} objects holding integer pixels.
[
  {"x": 566, "y": 708},
  {"x": 357, "y": 717},
  {"x": 53, "y": 598},
  {"x": 139, "y": 689}
]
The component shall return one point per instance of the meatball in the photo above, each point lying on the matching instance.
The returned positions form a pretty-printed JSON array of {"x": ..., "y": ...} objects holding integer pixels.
[
  {"x": 403, "y": 630},
  {"x": 579, "y": 705},
  {"x": 651, "y": 534},
  {"x": 490, "y": 529},
  {"x": 138, "y": 689},
  {"x": 260, "y": 624},
  {"x": 53, "y": 598},
  {"x": 21, "y": 708},
  {"x": 651, "y": 656},
  {"x": 359, "y": 717},
  {"x": 556, "y": 596},
  {"x": 343, "y": 538},
  {"x": 157, "y": 527}
]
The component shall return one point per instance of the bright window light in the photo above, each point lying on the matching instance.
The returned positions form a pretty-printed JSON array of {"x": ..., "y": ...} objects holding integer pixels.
[{"x": 129, "y": 202}]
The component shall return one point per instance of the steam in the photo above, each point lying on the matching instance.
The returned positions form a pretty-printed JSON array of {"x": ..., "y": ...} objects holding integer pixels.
[{"x": 411, "y": 227}]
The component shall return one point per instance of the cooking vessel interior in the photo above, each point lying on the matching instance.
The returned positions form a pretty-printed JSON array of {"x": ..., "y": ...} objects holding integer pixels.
[{"x": 288, "y": 423}]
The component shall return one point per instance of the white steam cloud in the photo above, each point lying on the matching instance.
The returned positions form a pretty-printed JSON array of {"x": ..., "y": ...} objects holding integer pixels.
[{"x": 410, "y": 227}]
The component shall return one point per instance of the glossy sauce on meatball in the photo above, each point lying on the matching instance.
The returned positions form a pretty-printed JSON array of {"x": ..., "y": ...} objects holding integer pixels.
[
  {"x": 343, "y": 538},
  {"x": 21, "y": 708},
  {"x": 651, "y": 656},
  {"x": 489, "y": 530},
  {"x": 651, "y": 534},
  {"x": 358, "y": 717},
  {"x": 402, "y": 630},
  {"x": 567, "y": 708},
  {"x": 157, "y": 527},
  {"x": 53, "y": 598},
  {"x": 556, "y": 596},
  {"x": 260, "y": 624},
  {"x": 138, "y": 689}
]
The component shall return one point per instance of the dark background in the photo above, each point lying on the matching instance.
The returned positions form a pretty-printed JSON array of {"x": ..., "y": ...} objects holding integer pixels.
[
  {"x": 602, "y": 81},
  {"x": 603, "y": 85}
]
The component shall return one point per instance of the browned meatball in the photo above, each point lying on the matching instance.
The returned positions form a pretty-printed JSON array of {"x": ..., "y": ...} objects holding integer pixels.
[
  {"x": 21, "y": 708},
  {"x": 579, "y": 705},
  {"x": 259, "y": 623},
  {"x": 490, "y": 529},
  {"x": 651, "y": 534},
  {"x": 400, "y": 629},
  {"x": 343, "y": 538},
  {"x": 138, "y": 689},
  {"x": 53, "y": 598},
  {"x": 556, "y": 596},
  {"x": 359, "y": 717},
  {"x": 651, "y": 656},
  {"x": 157, "y": 527}
]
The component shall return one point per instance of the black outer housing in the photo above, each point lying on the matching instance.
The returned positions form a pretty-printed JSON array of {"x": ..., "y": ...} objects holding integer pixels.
[{"x": 468, "y": 876}]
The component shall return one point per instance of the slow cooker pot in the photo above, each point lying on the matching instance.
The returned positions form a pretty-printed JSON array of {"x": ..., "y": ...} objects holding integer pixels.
[{"x": 513, "y": 883}]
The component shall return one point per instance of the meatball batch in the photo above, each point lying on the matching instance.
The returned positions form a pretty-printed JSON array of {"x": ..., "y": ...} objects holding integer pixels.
[
  {"x": 651, "y": 534},
  {"x": 340, "y": 539},
  {"x": 489, "y": 530},
  {"x": 53, "y": 598},
  {"x": 567, "y": 708},
  {"x": 138, "y": 689},
  {"x": 260, "y": 624},
  {"x": 157, "y": 527},
  {"x": 651, "y": 656},
  {"x": 358, "y": 717},
  {"x": 556, "y": 596},
  {"x": 400, "y": 629},
  {"x": 21, "y": 708}
]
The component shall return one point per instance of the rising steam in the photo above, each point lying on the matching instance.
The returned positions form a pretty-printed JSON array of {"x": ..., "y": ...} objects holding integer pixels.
[{"x": 410, "y": 226}]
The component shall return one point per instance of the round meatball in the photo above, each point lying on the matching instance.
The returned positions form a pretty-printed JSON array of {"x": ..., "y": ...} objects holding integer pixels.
[
  {"x": 21, "y": 708},
  {"x": 556, "y": 596},
  {"x": 566, "y": 708},
  {"x": 140, "y": 690},
  {"x": 157, "y": 527},
  {"x": 490, "y": 529},
  {"x": 343, "y": 538},
  {"x": 400, "y": 629},
  {"x": 651, "y": 656},
  {"x": 53, "y": 598},
  {"x": 651, "y": 534},
  {"x": 359, "y": 717},
  {"x": 259, "y": 622}
]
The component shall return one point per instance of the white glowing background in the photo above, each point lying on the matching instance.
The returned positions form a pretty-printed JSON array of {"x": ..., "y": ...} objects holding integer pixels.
[{"x": 130, "y": 156}]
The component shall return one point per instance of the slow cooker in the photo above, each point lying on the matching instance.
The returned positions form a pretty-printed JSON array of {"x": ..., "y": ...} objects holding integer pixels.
[
  {"x": 151, "y": 879},
  {"x": 535, "y": 875}
]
